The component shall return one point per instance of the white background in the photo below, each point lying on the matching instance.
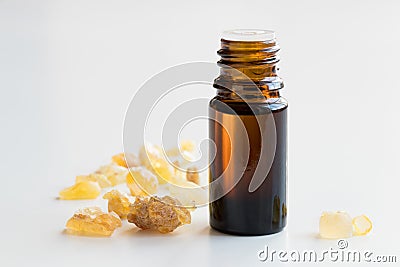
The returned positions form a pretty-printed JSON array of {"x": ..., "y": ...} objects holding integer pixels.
[{"x": 68, "y": 70}]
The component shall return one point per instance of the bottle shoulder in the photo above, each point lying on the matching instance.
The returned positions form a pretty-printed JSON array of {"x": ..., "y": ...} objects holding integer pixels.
[{"x": 251, "y": 106}]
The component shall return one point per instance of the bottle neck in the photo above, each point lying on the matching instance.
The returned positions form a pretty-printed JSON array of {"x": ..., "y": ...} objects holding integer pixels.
[{"x": 246, "y": 65}]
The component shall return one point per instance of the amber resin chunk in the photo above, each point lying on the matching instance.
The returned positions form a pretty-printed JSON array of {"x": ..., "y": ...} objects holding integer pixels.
[
  {"x": 335, "y": 225},
  {"x": 118, "y": 202},
  {"x": 152, "y": 157},
  {"x": 101, "y": 179},
  {"x": 92, "y": 221},
  {"x": 141, "y": 182},
  {"x": 115, "y": 174},
  {"x": 139, "y": 213},
  {"x": 81, "y": 190},
  {"x": 127, "y": 160},
  {"x": 192, "y": 175},
  {"x": 185, "y": 147},
  {"x": 162, "y": 214}
]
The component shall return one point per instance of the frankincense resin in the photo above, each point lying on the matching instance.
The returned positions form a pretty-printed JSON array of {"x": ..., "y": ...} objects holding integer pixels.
[
  {"x": 93, "y": 221},
  {"x": 161, "y": 214}
]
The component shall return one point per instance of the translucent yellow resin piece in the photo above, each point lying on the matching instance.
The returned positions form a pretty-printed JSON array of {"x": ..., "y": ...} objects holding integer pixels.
[
  {"x": 335, "y": 225},
  {"x": 362, "y": 225},
  {"x": 93, "y": 221},
  {"x": 114, "y": 173},
  {"x": 184, "y": 147},
  {"x": 152, "y": 157},
  {"x": 81, "y": 190},
  {"x": 192, "y": 175},
  {"x": 127, "y": 160},
  {"x": 141, "y": 182},
  {"x": 118, "y": 202},
  {"x": 101, "y": 179}
]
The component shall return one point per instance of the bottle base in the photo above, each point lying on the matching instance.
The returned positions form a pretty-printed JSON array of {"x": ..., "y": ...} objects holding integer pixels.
[{"x": 246, "y": 233}]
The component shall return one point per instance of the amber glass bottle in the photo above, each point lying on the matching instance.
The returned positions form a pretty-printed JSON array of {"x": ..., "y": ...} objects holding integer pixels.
[{"x": 247, "y": 101}]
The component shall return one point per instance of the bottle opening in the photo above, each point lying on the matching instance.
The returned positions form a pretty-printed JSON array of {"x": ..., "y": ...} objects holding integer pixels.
[{"x": 248, "y": 35}]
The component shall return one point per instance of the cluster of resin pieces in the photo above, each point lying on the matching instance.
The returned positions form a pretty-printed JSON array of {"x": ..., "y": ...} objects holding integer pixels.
[
  {"x": 163, "y": 214},
  {"x": 148, "y": 213},
  {"x": 143, "y": 175},
  {"x": 339, "y": 224}
]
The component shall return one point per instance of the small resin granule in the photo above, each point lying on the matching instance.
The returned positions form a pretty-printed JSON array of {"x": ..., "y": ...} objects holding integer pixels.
[
  {"x": 335, "y": 225},
  {"x": 141, "y": 182},
  {"x": 101, "y": 179},
  {"x": 192, "y": 175},
  {"x": 118, "y": 202},
  {"x": 93, "y": 221},
  {"x": 161, "y": 214},
  {"x": 362, "y": 225},
  {"x": 115, "y": 173},
  {"x": 127, "y": 160},
  {"x": 81, "y": 190}
]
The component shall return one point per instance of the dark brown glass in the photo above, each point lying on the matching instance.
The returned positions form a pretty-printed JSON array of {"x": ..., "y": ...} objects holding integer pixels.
[{"x": 241, "y": 212}]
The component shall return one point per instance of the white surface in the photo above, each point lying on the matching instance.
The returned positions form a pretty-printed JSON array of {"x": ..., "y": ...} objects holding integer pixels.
[{"x": 69, "y": 68}]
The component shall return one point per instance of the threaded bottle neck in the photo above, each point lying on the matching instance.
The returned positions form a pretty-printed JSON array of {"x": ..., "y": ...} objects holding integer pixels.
[{"x": 257, "y": 59}]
